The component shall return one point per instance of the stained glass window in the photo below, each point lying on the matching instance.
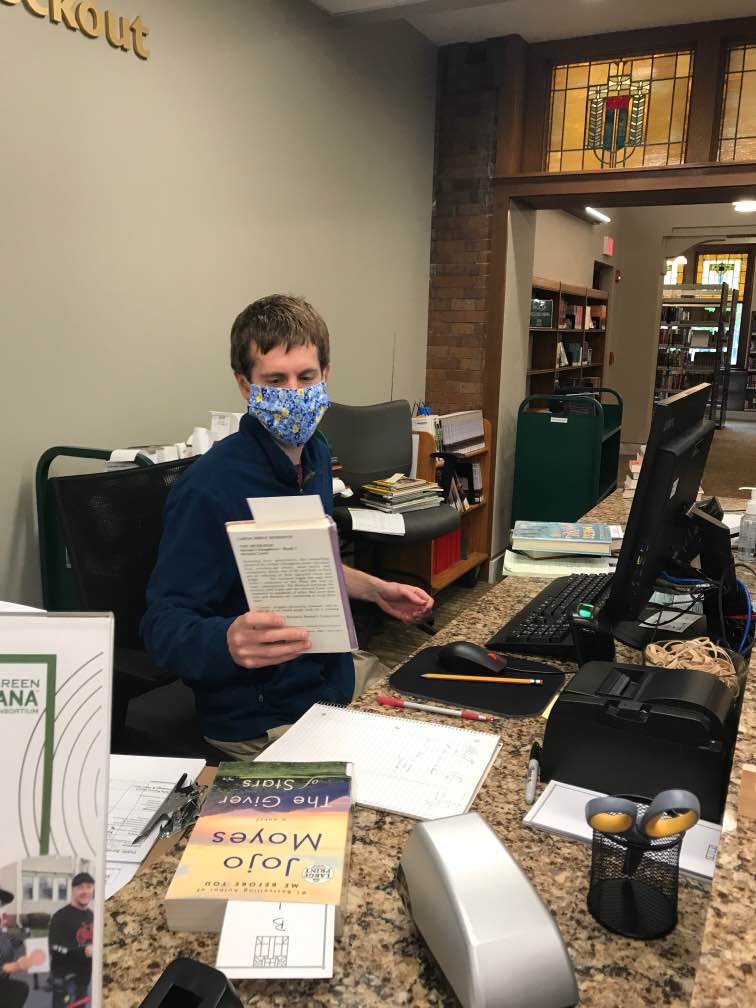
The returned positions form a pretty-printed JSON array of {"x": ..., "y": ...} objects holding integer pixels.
[
  {"x": 619, "y": 113},
  {"x": 737, "y": 135},
  {"x": 725, "y": 267},
  {"x": 730, "y": 268},
  {"x": 675, "y": 268}
]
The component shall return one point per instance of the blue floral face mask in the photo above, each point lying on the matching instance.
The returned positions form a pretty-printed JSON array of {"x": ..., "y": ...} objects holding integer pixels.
[{"x": 289, "y": 414}]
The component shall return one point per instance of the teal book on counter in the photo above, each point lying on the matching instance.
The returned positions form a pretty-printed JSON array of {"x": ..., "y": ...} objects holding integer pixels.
[{"x": 591, "y": 538}]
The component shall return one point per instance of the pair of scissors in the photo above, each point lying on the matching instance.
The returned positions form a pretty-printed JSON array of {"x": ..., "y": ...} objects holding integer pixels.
[
  {"x": 670, "y": 813},
  {"x": 174, "y": 810}
]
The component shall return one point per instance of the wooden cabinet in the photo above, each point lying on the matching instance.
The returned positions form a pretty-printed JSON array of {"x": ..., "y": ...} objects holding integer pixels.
[{"x": 416, "y": 559}]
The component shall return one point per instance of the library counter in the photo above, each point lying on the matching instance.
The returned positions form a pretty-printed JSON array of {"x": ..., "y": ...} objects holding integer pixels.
[{"x": 379, "y": 959}]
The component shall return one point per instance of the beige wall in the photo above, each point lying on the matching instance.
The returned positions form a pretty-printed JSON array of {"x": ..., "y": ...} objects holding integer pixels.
[
  {"x": 566, "y": 247},
  {"x": 262, "y": 147},
  {"x": 521, "y": 238}
]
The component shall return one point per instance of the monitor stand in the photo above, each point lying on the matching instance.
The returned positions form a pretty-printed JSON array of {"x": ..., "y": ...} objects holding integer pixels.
[
  {"x": 707, "y": 537},
  {"x": 635, "y": 635}
]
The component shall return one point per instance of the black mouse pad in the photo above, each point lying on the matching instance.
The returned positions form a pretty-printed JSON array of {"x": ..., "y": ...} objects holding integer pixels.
[{"x": 490, "y": 698}]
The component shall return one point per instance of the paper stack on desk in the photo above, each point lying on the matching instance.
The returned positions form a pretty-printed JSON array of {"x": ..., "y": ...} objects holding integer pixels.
[
  {"x": 268, "y": 941},
  {"x": 138, "y": 787},
  {"x": 561, "y": 810}
]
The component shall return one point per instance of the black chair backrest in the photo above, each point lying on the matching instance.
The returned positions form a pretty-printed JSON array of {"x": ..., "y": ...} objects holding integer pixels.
[
  {"x": 371, "y": 442},
  {"x": 112, "y": 523}
]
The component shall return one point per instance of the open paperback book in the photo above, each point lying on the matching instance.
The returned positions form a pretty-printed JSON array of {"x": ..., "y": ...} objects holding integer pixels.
[{"x": 289, "y": 563}]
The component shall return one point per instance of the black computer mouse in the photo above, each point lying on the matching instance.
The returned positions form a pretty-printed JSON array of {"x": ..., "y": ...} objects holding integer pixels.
[
  {"x": 464, "y": 658},
  {"x": 470, "y": 659}
]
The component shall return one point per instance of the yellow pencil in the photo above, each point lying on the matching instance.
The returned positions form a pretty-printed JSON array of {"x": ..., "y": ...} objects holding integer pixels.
[{"x": 482, "y": 678}]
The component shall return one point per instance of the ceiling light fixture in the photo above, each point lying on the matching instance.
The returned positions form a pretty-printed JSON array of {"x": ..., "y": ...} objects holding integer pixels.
[
  {"x": 745, "y": 206},
  {"x": 597, "y": 215}
]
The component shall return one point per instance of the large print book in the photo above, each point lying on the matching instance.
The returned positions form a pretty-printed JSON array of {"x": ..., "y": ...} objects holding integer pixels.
[
  {"x": 289, "y": 563},
  {"x": 414, "y": 768},
  {"x": 55, "y": 680},
  {"x": 463, "y": 431},
  {"x": 268, "y": 830},
  {"x": 562, "y": 537}
]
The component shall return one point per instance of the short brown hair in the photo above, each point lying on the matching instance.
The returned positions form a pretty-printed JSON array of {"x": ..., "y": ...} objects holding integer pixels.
[{"x": 277, "y": 320}]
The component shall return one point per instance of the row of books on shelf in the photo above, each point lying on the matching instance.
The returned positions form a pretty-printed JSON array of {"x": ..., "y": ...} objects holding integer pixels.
[
  {"x": 399, "y": 493},
  {"x": 571, "y": 315},
  {"x": 696, "y": 338},
  {"x": 447, "y": 550},
  {"x": 460, "y": 432},
  {"x": 569, "y": 353}
]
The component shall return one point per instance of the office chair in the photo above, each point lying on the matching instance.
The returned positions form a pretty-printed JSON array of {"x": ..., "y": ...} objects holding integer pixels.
[
  {"x": 373, "y": 442},
  {"x": 111, "y": 524}
]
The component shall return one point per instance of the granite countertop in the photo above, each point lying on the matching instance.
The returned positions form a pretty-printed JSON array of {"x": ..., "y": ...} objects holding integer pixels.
[{"x": 381, "y": 961}]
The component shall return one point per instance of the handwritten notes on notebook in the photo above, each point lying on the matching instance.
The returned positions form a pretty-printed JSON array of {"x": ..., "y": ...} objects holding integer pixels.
[{"x": 414, "y": 768}]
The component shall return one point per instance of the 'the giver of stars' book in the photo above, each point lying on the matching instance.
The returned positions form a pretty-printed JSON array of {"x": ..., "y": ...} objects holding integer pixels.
[{"x": 268, "y": 831}]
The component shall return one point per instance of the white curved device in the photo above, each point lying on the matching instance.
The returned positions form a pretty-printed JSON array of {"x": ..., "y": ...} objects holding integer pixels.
[{"x": 486, "y": 926}]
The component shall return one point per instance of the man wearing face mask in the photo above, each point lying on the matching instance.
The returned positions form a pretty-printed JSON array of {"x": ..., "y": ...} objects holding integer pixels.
[{"x": 253, "y": 675}]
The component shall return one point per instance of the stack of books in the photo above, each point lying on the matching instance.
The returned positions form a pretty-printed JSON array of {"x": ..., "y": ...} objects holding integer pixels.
[
  {"x": 463, "y": 432},
  {"x": 631, "y": 480},
  {"x": 544, "y": 539},
  {"x": 399, "y": 493}
]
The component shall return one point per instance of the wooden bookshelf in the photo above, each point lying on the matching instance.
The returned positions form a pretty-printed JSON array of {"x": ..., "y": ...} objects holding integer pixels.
[
  {"x": 750, "y": 390},
  {"x": 416, "y": 559},
  {"x": 695, "y": 340},
  {"x": 578, "y": 318}
]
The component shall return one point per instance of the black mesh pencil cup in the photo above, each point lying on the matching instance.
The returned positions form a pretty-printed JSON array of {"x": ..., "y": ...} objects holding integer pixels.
[{"x": 634, "y": 881}]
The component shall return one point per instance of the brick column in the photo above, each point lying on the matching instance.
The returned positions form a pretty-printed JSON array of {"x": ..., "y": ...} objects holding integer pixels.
[{"x": 465, "y": 162}]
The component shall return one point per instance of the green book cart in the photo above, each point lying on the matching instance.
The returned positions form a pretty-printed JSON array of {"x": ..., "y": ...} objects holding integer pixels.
[{"x": 567, "y": 454}]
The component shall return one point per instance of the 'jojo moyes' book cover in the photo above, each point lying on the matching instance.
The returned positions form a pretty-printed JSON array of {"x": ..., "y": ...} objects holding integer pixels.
[{"x": 268, "y": 831}]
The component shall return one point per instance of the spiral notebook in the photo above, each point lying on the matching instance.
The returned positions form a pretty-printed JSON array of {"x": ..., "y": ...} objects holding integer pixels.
[{"x": 414, "y": 768}]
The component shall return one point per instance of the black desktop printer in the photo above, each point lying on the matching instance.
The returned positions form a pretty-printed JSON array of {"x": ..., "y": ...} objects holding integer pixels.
[{"x": 637, "y": 730}]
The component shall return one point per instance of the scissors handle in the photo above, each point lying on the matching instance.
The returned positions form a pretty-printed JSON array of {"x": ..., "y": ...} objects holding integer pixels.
[
  {"x": 670, "y": 813},
  {"x": 610, "y": 814}
]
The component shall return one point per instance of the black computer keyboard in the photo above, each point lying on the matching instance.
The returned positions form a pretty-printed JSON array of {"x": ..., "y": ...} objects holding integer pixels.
[{"x": 543, "y": 626}]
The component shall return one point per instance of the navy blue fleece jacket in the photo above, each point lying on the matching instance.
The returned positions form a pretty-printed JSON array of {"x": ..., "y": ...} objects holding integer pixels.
[{"x": 195, "y": 592}]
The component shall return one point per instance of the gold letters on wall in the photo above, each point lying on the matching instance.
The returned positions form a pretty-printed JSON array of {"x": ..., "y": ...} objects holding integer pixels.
[{"x": 87, "y": 18}]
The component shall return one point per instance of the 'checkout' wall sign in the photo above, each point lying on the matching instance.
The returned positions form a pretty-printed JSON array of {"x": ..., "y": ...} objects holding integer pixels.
[{"x": 91, "y": 21}]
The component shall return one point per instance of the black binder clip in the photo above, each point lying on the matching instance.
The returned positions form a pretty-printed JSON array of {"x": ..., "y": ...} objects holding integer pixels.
[{"x": 187, "y": 983}]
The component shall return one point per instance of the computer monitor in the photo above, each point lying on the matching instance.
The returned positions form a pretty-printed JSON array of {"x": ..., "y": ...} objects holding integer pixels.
[{"x": 665, "y": 529}]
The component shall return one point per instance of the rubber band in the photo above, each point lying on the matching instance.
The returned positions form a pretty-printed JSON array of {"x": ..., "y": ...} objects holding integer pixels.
[{"x": 699, "y": 653}]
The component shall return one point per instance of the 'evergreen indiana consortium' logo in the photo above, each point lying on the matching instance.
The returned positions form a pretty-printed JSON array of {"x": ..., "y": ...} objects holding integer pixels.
[{"x": 19, "y": 696}]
